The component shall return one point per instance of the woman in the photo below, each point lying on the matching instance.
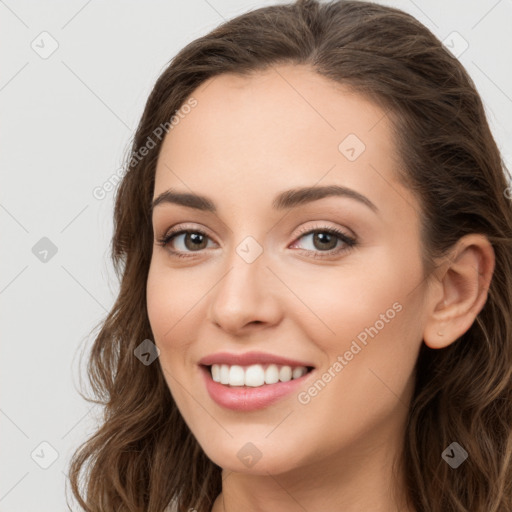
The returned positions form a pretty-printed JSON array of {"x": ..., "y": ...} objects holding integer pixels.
[{"x": 342, "y": 338}]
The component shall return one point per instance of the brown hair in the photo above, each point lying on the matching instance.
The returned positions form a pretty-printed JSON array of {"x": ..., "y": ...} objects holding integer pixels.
[{"x": 144, "y": 457}]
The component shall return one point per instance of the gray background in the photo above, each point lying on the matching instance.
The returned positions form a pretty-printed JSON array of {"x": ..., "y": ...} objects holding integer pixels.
[{"x": 66, "y": 124}]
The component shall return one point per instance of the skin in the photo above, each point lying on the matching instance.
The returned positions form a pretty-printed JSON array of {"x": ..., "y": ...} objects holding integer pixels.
[{"x": 247, "y": 140}]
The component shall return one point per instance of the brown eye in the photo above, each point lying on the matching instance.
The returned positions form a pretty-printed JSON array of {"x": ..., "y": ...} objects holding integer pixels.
[
  {"x": 325, "y": 240},
  {"x": 193, "y": 240},
  {"x": 187, "y": 241}
]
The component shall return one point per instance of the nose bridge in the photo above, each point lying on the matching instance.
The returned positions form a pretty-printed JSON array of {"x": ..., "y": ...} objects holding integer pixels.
[
  {"x": 246, "y": 269},
  {"x": 243, "y": 293}
]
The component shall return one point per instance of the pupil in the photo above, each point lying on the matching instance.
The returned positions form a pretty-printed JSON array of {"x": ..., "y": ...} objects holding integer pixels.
[
  {"x": 321, "y": 238},
  {"x": 196, "y": 239}
]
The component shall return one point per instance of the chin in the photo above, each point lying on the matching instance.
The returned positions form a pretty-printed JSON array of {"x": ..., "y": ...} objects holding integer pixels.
[{"x": 256, "y": 457}]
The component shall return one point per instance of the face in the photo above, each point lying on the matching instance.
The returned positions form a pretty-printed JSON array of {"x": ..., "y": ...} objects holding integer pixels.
[{"x": 328, "y": 282}]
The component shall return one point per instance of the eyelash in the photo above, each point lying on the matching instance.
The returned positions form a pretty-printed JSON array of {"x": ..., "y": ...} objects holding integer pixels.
[{"x": 349, "y": 241}]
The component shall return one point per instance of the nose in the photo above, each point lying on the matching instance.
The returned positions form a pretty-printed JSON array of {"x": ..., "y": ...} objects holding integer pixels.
[{"x": 246, "y": 295}]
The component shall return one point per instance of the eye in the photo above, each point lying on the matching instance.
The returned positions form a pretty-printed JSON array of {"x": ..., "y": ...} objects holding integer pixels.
[
  {"x": 324, "y": 240},
  {"x": 193, "y": 239}
]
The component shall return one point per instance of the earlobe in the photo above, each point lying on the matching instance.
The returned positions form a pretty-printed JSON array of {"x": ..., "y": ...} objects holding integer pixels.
[{"x": 461, "y": 291}]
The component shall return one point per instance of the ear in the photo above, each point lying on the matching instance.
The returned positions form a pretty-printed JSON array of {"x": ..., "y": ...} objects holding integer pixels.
[{"x": 459, "y": 291}]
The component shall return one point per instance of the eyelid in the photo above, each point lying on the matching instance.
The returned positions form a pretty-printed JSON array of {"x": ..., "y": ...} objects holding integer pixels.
[
  {"x": 184, "y": 226},
  {"x": 307, "y": 229},
  {"x": 303, "y": 230}
]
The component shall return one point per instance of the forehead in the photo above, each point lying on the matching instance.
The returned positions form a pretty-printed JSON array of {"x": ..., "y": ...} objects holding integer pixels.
[
  {"x": 280, "y": 107},
  {"x": 283, "y": 127}
]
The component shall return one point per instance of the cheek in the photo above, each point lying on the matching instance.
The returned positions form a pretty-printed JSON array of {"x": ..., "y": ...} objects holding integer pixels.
[
  {"x": 336, "y": 306},
  {"x": 370, "y": 318},
  {"x": 167, "y": 306},
  {"x": 170, "y": 296},
  {"x": 159, "y": 303}
]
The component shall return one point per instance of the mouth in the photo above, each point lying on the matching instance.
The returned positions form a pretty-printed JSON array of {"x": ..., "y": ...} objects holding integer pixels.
[
  {"x": 255, "y": 375},
  {"x": 253, "y": 387}
]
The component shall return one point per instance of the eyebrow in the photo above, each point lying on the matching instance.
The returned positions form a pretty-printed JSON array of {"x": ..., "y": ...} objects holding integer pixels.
[{"x": 283, "y": 201}]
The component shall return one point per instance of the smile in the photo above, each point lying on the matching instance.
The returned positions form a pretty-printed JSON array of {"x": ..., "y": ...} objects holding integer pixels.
[
  {"x": 258, "y": 394},
  {"x": 255, "y": 375}
]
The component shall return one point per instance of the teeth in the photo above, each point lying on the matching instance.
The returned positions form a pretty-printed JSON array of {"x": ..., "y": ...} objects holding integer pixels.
[
  {"x": 224, "y": 374},
  {"x": 236, "y": 376},
  {"x": 298, "y": 372},
  {"x": 216, "y": 373},
  {"x": 271, "y": 374},
  {"x": 255, "y": 375},
  {"x": 285, "y": 373}
]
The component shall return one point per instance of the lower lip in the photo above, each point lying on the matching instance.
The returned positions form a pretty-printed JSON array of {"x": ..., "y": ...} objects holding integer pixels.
[{"x": 246, "y": 398}]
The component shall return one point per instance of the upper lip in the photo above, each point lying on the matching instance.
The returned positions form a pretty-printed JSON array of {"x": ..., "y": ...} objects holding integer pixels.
[{"x": 249, "y": 358}]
